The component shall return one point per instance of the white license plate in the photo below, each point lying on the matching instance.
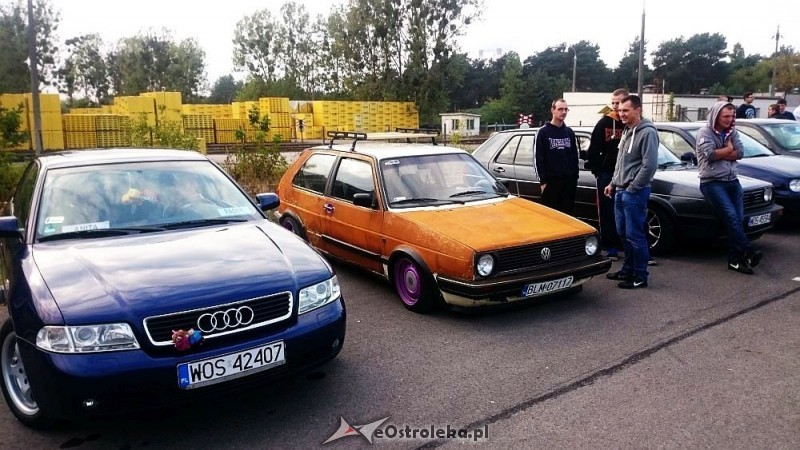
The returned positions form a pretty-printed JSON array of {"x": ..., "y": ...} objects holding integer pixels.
[
  {"x": 758, "y": 220},
  {"x": 546, "y": 286},
  {"x": 222, "y": 368}
]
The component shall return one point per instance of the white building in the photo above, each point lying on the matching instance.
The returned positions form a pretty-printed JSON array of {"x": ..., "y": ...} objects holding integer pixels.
[{"x": 464, "y": 124}]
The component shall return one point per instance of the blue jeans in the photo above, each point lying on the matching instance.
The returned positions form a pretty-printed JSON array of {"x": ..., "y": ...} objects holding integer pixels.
[
  {"x": 726, "y": 197},
  {"x": 605, "y": 207},
  {"x": 631, "y": 213}
]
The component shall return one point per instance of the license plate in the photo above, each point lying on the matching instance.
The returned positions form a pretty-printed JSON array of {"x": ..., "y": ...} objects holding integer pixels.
[
  {"x": 546, "y": 286},
  {"x": 222, "y": 368},
  {"x": 758, "y": 220}
]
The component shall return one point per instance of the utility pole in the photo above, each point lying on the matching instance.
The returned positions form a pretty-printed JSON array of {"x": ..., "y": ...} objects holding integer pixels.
[
  {"x": 640, "y": 77},
  {"x": 36, "y": 132},
  {"x": 574, "y": 67},
  {"x": 772, "y": 86}
]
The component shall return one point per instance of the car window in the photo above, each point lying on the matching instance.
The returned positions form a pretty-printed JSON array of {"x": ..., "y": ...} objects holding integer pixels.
[
  {"x": 751, "y": 147},
  {"x": 353, "y": 177},
  {"x": 24, "y": 195},
  {"x": 135, "y": 195},
  {"x": 787, "y": 134},
  {"x": 754, "y": 134},
  {"x": 508, "y": 152},
  {"x": 314, "y": 173},
  {"x": 525, "y": 151},
  {"x": 486, "y": 150},
  {"x": 676, "y": 143}
]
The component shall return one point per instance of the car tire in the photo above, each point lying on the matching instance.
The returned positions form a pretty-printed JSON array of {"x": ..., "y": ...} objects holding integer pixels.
[
  {"x": 660, "y": 230},
  {"x": 291, "y": 224},
  {"x": 413, "y": 285},
  {"x": 16, "y": 389}
]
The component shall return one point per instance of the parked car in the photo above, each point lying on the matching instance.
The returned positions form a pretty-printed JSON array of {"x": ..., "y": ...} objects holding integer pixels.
[
  {"x": 433, "y": 222},
  {"x": 676, "y": 212},
  {"x": 783, "y": 172},
  {"x": 778, "y": 135},
  {"x": 141, "y": 278}
]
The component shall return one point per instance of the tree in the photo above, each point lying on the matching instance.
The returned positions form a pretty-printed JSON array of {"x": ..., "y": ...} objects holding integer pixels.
[
  {"x": 592, "y": 73},
  {"x": 14, "y": 69},
  {"x": 84, "y": 72},
  {"x": 154, "y": 62},
  {"x": 225, "y": 89},
  {"x": 690, "y": 65},
  {"x": 626, "y": 75},
  {"x": 256, "y": 45}
]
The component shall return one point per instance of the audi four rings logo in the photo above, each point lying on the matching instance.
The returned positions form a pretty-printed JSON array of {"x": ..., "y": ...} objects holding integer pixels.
[
  {"x": 545, "y": 253},
  {"x": 223, "y": 320}
]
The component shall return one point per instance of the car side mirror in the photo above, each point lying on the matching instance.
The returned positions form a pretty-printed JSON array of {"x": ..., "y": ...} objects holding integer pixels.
[
  {"x": 9, "y": 227},
  {"x": 268, "y": 201},
  {"x": 689, "y": 157},
  {"x": 364, "y": 199}
]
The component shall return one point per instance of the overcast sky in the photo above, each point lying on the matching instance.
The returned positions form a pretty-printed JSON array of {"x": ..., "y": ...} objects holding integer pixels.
[{"x": 524, "y": 26}]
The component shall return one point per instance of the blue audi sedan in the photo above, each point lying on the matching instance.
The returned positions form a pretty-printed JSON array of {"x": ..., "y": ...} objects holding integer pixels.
[{"x": 141, "y": 278}]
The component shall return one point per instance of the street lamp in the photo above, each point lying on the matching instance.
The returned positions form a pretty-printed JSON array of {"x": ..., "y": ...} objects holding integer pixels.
[{"x": 574, "y": 66}]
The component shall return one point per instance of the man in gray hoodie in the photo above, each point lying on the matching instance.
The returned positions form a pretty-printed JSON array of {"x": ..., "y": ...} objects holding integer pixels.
[
  {"x": 637, "y": 162},
  {"x": 718, "y": 149}
]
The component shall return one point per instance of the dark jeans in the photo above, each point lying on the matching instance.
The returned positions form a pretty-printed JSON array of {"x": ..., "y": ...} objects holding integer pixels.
[
  {"x": 727, "y": 199},
  {"x": 560, "y": 194},
  {"x": 605, "y": 213},
  {"x": 630, "y": 210}
]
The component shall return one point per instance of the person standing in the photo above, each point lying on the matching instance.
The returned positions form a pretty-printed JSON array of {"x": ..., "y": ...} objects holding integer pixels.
[
  {"x": 782, "y": 112},
  {"x": 601, "y": 160},
  {"x": 557, "y": 160},
  {"x": 637, "y": 161},
  {"x": 746, "y": 110},
  {"x": 718, "y": 148},
  {"x": 772, "y": 111}
]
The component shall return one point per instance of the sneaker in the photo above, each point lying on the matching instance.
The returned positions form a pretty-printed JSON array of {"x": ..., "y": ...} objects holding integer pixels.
[
  {"x": 632, "y": 283},
  {"x": 741, "y": 266},
  {"x": 754, "y": 257},
  {"x": 652, "y": 262},
  {"x": 619, "y": 276},
  {"x": 613, "y": 254}
]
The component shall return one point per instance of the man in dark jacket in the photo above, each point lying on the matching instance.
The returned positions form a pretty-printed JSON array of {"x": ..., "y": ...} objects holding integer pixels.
[
  {"x": 782, "y": 112},
  {"x": 557, "y": 160},
  {"x": 746, "y": 110},
  {"x": 602, "y": 159}
]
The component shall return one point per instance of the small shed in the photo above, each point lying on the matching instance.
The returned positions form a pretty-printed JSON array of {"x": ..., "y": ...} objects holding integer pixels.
[{"x": 465, "y": 124}]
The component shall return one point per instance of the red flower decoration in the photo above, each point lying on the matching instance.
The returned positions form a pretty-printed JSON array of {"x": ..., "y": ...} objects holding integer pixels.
[{"x": 181, "y": 340}]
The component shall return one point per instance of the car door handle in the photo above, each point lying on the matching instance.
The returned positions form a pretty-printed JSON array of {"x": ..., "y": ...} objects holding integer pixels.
[
  {"x": 328, "y": 208},
  {"x": 499, "y": 169}
]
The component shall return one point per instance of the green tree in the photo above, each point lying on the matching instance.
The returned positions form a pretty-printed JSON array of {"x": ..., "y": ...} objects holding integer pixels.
[
  {"x": 84, "y": 72},
  {"x": 687, "y": 66},
  {"x": 626, "y": 75},
  {"x": 225, "y": 89},
  {"x": 255, "y": 44},
  {"x": 14, "y": 72},
  {"x": 592, "y": 74}
]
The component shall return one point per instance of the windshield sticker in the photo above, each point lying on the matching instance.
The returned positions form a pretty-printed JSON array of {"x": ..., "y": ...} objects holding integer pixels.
[
  {"x": 86, "y": 226},
  {"x": 236, "y": 211},
  {"x": 53, "y": 220},
  {"x": 50, "y": 229},
  {"x": 391, "y": 162}
]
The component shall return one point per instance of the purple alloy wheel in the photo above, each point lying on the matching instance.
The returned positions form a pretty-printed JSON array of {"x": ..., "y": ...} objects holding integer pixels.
[{"x": 407, "y": 281}]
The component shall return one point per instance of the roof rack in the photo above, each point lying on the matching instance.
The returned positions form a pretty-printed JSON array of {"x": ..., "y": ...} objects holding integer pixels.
[{"x": 398, "y": 133}]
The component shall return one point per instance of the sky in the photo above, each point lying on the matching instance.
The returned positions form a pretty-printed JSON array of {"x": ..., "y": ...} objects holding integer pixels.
[{"x": 523, "y": 26}]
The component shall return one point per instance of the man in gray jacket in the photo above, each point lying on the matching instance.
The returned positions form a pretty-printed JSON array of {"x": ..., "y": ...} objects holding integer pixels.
[
  {"x": 718, "y": 148},
  {"x": 637, "y": 161}
]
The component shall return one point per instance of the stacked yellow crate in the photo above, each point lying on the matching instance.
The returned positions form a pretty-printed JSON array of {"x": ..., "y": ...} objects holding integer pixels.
[
  {"x": 137, "y": 108},
  {"x": 200, "y": 126},
  {"x": 226, "y": 130},
  {"x": 87, "y": 111},
  {"x": 113, "y": 130},
  {"x": 168, "y": 105},
  {"x": 216, "y": 111},
  {"x": 18, "y": 101},
  {"x": 52, "y": 128},
  {"x": 80, "y": 131}
]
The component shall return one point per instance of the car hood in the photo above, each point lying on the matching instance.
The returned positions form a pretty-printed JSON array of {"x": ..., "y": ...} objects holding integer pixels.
[
  {"x": 133, "y": 277},
  {"x": 510, "y": 222},
  {"x": 686, "y": 182},
  {"x": 778, "y": 165}
]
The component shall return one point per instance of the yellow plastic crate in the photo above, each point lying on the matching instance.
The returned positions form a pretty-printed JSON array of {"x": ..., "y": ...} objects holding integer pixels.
[
  {"x": 79, "y": 122},
  {"x": 80, "y": 139}
]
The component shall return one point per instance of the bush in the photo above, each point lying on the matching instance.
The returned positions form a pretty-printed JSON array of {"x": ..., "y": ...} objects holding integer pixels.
[
  {"x": 10, "y": 173},
  {"x": 258, "y": 171}
]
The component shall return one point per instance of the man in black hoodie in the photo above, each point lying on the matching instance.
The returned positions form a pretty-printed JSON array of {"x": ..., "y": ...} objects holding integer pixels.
[
  {"x": 557, "y": 160},
  {"x": 602, "y": 159}
]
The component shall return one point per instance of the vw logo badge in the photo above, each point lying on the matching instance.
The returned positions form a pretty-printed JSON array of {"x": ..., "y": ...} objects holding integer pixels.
[
  {"x": 227, "y": 319},
  {"x": 545, "y": 253}
]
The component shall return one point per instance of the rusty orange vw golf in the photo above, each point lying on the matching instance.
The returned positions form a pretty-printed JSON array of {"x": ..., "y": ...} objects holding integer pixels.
[{"x": 434, "y": 222}]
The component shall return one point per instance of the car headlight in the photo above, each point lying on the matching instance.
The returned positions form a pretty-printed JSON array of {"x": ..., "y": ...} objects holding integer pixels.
[
  {"x": 591, "y": 245},
  {"x": 768, "y": 194},
  {"x": 318, "y": 295},
  {"x": 87, "y": 338},
  {"x": 485, "y": 265},
  {"x": 794, "y": 185}
]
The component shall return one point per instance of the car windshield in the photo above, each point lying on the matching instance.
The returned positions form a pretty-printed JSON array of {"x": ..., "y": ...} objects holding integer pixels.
[
  {"x": 752, "y": 148},
  {"x": 666, "y": 158},
  {"x": 114, "y": 199},
  {"x": 787, "y": 134},
  {"x": 436, "y": 179}
]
